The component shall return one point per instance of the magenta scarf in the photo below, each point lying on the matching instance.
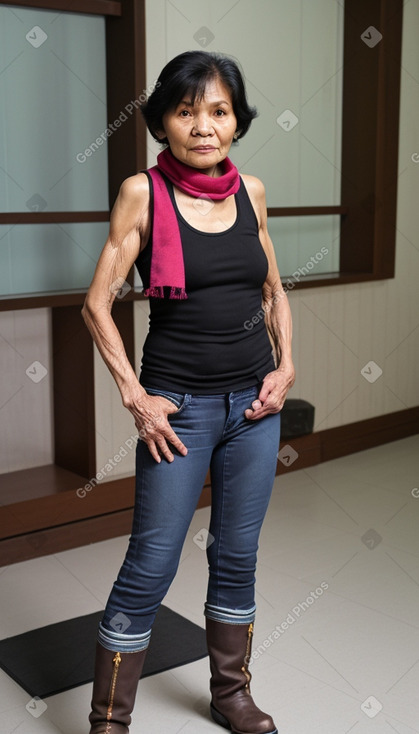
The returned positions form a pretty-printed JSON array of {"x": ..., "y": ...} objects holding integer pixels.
[{"x": 167, "y": 267}]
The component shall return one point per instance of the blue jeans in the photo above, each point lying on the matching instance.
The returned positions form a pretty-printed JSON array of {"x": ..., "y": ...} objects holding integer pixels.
[{"x": 241, "y": 455}]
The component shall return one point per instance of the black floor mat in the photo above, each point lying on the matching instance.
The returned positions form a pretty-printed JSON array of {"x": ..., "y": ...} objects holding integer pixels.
[{"x": 58, "y": 657}]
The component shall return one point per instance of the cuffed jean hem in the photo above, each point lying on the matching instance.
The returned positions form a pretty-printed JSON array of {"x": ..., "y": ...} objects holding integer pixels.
[
  {"x": 230, "y": 616},
  {"x": 118, "y": 642}
]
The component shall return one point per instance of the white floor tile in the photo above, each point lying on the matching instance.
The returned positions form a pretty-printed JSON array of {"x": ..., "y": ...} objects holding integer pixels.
[{"x": 337, "y": 629}]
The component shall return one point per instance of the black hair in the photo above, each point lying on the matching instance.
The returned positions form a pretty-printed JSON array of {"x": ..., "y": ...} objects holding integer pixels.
[{"x": 189, "y": 73}]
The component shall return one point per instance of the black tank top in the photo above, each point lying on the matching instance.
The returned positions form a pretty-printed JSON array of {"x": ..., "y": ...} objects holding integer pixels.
[{"x": 216, "y": 340}]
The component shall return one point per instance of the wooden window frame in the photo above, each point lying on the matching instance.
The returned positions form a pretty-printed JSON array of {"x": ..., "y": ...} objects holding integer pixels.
[
  {"x": 370, "y": 136},
  {"x": 127, "y": 152},
  {"x": 370, "y": 140}
]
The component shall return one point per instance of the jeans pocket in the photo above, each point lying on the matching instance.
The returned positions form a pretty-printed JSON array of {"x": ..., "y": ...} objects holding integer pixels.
[{"x": 178, "y": 399}]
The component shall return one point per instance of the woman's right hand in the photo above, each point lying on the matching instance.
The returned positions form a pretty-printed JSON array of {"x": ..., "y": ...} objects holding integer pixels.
[{"x": 150, "y": 414}]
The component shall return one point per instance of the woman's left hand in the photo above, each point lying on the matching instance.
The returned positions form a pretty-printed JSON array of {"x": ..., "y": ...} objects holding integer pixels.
[{"x": 273, "y": 392}]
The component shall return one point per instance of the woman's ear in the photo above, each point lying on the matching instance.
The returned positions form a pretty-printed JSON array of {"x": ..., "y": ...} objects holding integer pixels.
[{"x": 160, "y": 134}]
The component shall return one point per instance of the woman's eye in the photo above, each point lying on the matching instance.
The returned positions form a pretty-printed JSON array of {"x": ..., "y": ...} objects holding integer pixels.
[
  {"x": 184, "y": 113},
  {"x": 222, "y": 112}
]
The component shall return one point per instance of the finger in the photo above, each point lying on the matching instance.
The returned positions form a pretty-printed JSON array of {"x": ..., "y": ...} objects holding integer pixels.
[
  {"x": 172, "y": 407},
  {"x": 177, "y": 443},
  {"x": 264, "y": 392},
  {"x": 266, "y": 409},
  {"x": 165, "y": 450},
  {"x": 153, "y": 451},
  {"x": 256, "y": 407},
  {"x": 169, "y": 436},
  {"x": 254, "y": 415},
  {"x": 268, "y": 385}
]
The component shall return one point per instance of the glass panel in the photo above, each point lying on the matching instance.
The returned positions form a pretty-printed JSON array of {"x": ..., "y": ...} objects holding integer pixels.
[
  {"x": 305, "y": 245},
  {"x": 49, "y": 257},
  {"x": 53, "y": 87},
  {"x": 291, "y": 53},
  {"x": 294, "y": 77}
]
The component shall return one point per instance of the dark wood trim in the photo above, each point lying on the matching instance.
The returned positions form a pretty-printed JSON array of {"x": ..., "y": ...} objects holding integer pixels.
[
  {"x": 305, "y": 211},
  {"x": 52, "y": 217},
  {"x": 62, "y": 506},
  {"x": 74, "y": 384},
  {"x": 387, "y": 155},
  {"x": 99, "y": 7},
  {"x": 71, "y": 298},
  {"x": 333, "y": 443},
  {"x": 42, "y": 300},
  {"x": 366, "y": 434},
  {"x": 38, "y": 481},
  {"x": 73, "y": 535},
  {"x": 54, "y": 300},
  {"x": 62, "y": 519},
  {"x": 126, "y": 87},
  {"x": 73, "y": 392},
  {"x": 65, "y": 537},
  {"x": 103, "y": 216},
  {"x": 370, "y": 140},
  {"x": 313, "y": 281}
]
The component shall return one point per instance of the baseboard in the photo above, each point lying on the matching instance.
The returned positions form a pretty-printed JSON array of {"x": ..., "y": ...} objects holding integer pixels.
[
  {"x": 296, "y": 453},
  {"x": 332, "y": 443}
]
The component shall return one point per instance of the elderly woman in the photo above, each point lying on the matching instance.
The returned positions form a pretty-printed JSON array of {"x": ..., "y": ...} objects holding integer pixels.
[{"x": 210, "y": 390}]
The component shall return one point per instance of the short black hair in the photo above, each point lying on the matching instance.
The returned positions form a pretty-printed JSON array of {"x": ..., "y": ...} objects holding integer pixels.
[{"x": 189, "y": 73}]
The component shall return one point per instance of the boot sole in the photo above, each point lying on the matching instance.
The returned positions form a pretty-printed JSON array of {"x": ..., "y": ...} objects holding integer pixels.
[{"x": 222, "y": 721}]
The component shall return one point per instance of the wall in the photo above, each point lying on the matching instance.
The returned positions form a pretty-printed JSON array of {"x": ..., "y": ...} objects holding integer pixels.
[{"x": 25, "y": 389}]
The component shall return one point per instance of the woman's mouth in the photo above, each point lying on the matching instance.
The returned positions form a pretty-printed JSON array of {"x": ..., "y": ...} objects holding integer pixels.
[{"x": 203, "y": 149}]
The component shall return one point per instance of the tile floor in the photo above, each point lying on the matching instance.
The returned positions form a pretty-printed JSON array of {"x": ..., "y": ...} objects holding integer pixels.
[{"x": 338, "y": 582}]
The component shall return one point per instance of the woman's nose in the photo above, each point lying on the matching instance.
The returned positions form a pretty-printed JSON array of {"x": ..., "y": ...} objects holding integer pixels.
[{"x": 203, "y": 125}]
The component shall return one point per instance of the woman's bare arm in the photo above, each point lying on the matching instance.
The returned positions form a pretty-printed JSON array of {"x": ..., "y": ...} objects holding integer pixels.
[
  {"x": 127, "y": 234},
  {"x": 277, "y": 315}
]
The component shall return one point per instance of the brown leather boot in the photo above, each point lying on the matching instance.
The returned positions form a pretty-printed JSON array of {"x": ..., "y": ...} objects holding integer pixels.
[
  {"x": 232, "y": 706},
  {"x": 114, "y": 689}
]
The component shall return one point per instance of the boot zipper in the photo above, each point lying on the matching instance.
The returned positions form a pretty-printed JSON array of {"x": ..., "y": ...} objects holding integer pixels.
[
  {"x": 116, "y": 661},
  {"x": 244, "y": 668}
]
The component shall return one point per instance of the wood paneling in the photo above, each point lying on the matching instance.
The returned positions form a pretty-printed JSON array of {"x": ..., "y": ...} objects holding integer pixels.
[
  {"x": 74, "y": 425},
  {"x": 53, "y": 540},
  {"x": 52, "y": 217},
  {"x": 306, "y": 211},
  {"x": 74, "y": 411},
  {"x": 126, "y": 83},
  {"x": 54, "y": 300},
  {"x": 370, "y": 121},
  {"x": 64, "y": 520}
]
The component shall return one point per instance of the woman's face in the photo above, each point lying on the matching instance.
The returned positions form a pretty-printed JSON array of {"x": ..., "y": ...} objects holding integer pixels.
[{"x": 201, "y": 135}]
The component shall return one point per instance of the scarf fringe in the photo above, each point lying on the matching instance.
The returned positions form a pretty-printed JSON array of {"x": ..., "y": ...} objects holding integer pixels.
[
  {"x": 157, "y": 291},
  {"x": 178, "y": 293}
]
